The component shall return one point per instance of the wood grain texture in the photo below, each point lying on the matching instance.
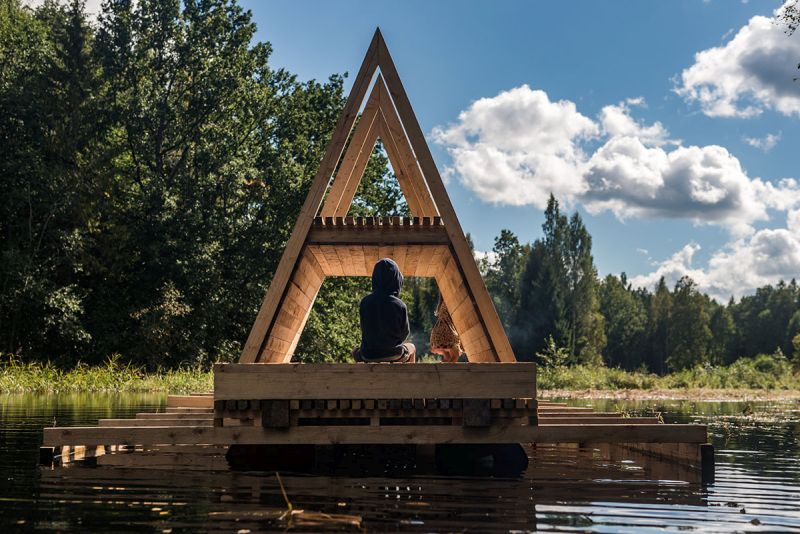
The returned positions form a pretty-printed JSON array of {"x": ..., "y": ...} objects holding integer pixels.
[
  {"x": 356, "y": 156},
  {"x": 373, "y": 381},
  {"x": 499, "y": 433}
]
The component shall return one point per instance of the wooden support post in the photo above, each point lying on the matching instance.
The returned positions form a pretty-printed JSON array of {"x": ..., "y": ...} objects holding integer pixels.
[
  {"x": 275, "y": 413},
  {"x": 707, "y": 463},
  {"x": 477, "y": 412}
]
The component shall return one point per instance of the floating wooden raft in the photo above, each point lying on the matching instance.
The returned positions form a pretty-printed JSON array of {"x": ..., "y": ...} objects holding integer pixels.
[{"x": 323, "y": 404}]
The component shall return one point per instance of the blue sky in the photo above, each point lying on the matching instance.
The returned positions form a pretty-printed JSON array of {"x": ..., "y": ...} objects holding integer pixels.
[{"x": 613, "y": 110}]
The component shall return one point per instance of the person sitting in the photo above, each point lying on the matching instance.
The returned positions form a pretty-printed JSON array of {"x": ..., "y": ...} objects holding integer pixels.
[
  {"x": 444, "y": 337},
  {"x": 384, "y": 319}
]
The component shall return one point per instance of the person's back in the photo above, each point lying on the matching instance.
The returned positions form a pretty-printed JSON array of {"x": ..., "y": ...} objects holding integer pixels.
[{"x": 384, "y": 318}]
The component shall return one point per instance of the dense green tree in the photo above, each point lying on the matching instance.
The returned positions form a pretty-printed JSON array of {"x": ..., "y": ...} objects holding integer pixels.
[
  {"x": 625, "y": 322},
  {"x": 723, "y": 332},
  {"x": 688, "y": 332},
  {"x": 658, "y": 327},
  {"x": 50, "y": 134},
  {"x": 539, "y": 307},
  {"x": 503, "y": 275},
  {"x": 558, "y": 291}
]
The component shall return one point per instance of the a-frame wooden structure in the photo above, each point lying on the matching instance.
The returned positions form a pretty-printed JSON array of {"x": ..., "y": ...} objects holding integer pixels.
[{"x": 325, "y": 242}]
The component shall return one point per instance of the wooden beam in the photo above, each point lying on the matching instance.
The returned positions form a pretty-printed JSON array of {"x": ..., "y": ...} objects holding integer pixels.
[
  {"x": 257, "y": 337},
  {"x": 401, "y": 171},
  {"x": 502, "y": 433},
  {"x": 190, "y": 401},
  {"x": 378, "y": 235},
  {"x": 393, "y": 129},
  {"x": 355, "y": 160},
  {"x": 589, "y": 420},
  {"x": 295, "y": 309},
  {"x": 161, "y": 421},
  {"x": 163, "y": 415},
  {"x": 436, "y": 185},
  {"x": 373, "y": 381}
]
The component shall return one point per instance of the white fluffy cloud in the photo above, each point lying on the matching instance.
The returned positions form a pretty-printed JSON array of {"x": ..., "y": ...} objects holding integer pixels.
[
  {"x": 750, "y": 73},
  {"x": 518, "y": 147},
  {"x": 739, "y": 268},
  {"x": 705, "y": 184},
  {"x": 765, "y": 143},
  {"x": 616, "y": 121}
]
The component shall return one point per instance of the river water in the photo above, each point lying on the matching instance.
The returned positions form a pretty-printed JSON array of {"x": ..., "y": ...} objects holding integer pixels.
[{"x": 757, "y": 484}]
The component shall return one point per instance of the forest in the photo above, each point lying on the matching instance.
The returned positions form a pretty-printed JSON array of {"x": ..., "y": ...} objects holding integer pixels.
[{"x": 154, "y": 162}]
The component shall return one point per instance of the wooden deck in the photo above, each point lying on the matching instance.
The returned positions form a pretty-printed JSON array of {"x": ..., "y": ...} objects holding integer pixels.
[{"x": 343, "y": 404}]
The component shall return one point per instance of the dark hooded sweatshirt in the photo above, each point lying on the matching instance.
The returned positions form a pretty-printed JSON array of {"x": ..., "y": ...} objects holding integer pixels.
[{"x": 384, "y": 318}]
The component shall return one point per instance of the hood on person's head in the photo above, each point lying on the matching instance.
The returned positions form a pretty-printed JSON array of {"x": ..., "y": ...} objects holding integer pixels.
[{"x": 387, "y": 278}]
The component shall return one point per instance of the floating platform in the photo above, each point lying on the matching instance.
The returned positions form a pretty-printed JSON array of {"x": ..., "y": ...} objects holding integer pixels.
[{"x": 377, "y": 404}]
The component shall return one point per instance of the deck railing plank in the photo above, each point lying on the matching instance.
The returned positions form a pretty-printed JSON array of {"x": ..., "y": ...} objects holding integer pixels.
[{"x": 375, "y": 381}]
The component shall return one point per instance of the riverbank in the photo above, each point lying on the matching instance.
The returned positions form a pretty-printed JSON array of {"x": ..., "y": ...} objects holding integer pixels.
[
  {"x": 690, "y": 394},
  {"x": 760, "y": 378},
  {"x": 111, "y": 377}
]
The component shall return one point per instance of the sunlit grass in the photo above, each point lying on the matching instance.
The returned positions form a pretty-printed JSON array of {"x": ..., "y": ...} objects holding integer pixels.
[
  {"x": 764, "y": 372},
  {"x": 767, "y": 372},
  {"x": 113, "y": 376}
]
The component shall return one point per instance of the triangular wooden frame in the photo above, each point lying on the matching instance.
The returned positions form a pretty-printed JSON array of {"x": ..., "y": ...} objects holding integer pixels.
[{"x": 431, "y": 244}]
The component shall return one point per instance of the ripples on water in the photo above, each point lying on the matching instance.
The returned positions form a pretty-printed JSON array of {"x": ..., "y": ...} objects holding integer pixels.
[{"x": 757, "y": 485}]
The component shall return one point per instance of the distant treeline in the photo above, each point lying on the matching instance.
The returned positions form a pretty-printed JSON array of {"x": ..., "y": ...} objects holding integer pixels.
[
  {"x": 152, "y": 165},
  {"x": 554, "y": 306}
]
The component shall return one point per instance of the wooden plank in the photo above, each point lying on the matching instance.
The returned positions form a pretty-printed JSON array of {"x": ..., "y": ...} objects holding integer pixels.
[
  {"x": 345, "y": 259},
  {"x": 357, "y": 253},
  {"x": 164, "y": 415},
  {"x": 445, "y": 207},
  {"x": 275, "y": 414},
  {"x": 402, "y": 145},
  {"x": 499, "y": 433},
  {"x": 190, "y": 401},
  {"x": 399, "y": 254},
  {"x": 320, "y": 257},
  {"x": 412, "y": 260},
  {"x": 371, "y": 257},
  {"x": 255, "y": 340},
  {"x": 399, "y": 166},
  {"x": 477, "y": 412},
  {"x": 156, "y": 422},
  {"x": 359, "y": 166},
  {"x": 188, "y": 410},
  {"x": 424, "y": 261},
  {"x": 379, "y": 235},
  {"x": 358, "y": 152},
  {"x": 349, "y": 381},
  {"x": 334, "y": 263},
  {"x": 588, "y": 420}
]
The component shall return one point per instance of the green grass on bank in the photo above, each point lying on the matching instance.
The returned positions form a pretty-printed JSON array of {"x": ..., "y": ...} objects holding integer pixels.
[
  {"x": 113, "y": 376},
  {"x": 767, "y": 372}
]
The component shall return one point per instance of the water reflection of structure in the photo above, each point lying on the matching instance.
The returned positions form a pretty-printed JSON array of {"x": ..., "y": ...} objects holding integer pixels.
[{"x": 558, "y": 476}]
